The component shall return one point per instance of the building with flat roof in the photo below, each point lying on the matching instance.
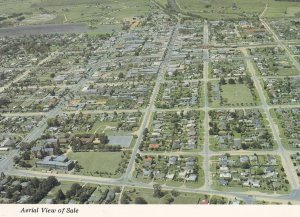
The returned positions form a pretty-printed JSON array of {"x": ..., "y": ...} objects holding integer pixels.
[{"x": 59, "y": 163}]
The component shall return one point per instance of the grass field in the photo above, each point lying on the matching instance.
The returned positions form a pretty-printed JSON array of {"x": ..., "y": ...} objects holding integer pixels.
[
  {"x": 97, "y": 161},
  {"x": 283, "y": 9},
  {"x": 215, "y": 9},
  {"x": 237, "y": 93},
  {"x": 92, "y": 12}
]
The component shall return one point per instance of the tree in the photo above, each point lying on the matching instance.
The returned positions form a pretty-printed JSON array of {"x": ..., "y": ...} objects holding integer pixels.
[
  {"x": 9, "y": 195},
  {"x": 16, "y": 159},
  {"x": 121, "y": 75},
  {"x": 60, "y": 195},
  {"x": 103, "y": 138},
  {"x": 246, "y": 165},
  {"x": 175, "y": 193},
  {"x": 222, "y": 81},
  {"x": 145, "y": 132},
  {"x": 157, "y": 191},
  {"x": 259, "y": 171},
  {"x": 4, "y": 101},
  {"x": 77, "y": 167},
  {"x": 124, "y": 200},
  {"x": 231, "y": 81},
  {"x": 35, "y": 182},
  {"x": 52, "y": 181},
  {"x": 26, "y": 155},
  {"x": 140, "y": 200},
  {"x": 73, "y": 191},
  {"x": 168, "y": 199}
]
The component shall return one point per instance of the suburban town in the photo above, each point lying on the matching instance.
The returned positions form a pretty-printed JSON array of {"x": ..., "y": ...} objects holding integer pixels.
[{"x": 150, "y": 102}]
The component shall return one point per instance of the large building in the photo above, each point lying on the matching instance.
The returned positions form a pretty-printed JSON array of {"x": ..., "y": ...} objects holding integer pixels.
[{"x": 59, "y": 163}]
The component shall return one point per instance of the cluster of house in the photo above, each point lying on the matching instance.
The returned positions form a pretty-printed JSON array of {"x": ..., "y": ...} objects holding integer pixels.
[
  {"x": 7, "y": 75},
  {"x": 251, "y": 171},
  {"x": 296, "y": 161},
  {"x": 30, "y": 99},
  {"x": 16, "y": 56},
  {"x": 178, "y": 94},
  {"x": 243, "y": 31},
  {"x": 239, "y": 129},
  {"x": 223, "y": 32},
  {"x": 185, "y": 58},
  {"x": 227, "y": 68},
  {"x": 289, "y": 118},
  {"x": 6, "y": 183},
  {"x": 253, "y": 31},
  {"x": 6, "y": 143},
  {"x": 171, "y": 131},
  {"x": 271, "y": 61},
  {"x": 104, "y": 197},
  {"x": 168, "y": 168},
  {"x": 287, "y": 29},
  {"x": 283, "y": 91},
  {"x": 138, "y": 52},
  {"x": 215, "y": 94},
  {"x": 224, "y": 53},
  {"x": 111, "y": 97},
  {"x": 85, "y": 123},
  {"x": 68, "y": 75},
  {"x": 18, "y": 124}
]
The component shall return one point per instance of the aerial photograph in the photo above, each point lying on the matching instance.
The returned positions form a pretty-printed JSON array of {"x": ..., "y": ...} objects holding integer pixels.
[{"x": 150, "y": 102}]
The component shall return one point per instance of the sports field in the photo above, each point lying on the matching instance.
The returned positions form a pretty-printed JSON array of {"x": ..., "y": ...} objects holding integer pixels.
[{"x": 97, "y": 161}]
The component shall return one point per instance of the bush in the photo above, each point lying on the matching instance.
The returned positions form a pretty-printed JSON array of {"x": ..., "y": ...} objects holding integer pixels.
[{"x": 140, "y": 200}]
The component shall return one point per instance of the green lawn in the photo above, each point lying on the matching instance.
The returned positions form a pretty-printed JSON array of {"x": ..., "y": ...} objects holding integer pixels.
[
  {"x": 237, "y": 93},
  {"x": 97, "y": 161}
]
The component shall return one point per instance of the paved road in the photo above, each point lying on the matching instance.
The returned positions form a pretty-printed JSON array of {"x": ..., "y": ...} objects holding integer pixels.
[
  {"x": 28, "y": 114},
  {"x": 151, "y": 107},
  {"x": 281, "y": 44},
  {"x": 113, "y": 182},
  {"x": 206, "y": 110},
  {"x": 286, "y": 162},
  {"x": 264, "y": 11}
]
